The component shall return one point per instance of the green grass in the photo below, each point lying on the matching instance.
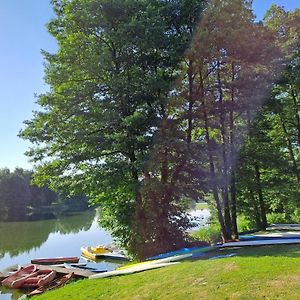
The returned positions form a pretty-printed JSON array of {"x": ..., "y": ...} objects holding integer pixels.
[
  {"x": 201, "y": 205},
  {"x": 271, "y": 272}
]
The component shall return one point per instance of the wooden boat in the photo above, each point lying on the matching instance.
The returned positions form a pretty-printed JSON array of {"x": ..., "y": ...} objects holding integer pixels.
[
  {"x": 8, "y": 271},
  {"x": 90, "y": 253},
  {"x": 39, "y": 279},
  {"x": 17, "y": 279},
  {"x": 132, "y": 270},
  {"x": 56, "y": 283},
  {"x": 55, "y": 260}
]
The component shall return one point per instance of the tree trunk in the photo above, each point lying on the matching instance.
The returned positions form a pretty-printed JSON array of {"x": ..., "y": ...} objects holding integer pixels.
[
  {"x": 225, "y": 173},
  {"x": 290, "y": 148},
  {"x": 297, "y": 116},
  {"x": 232, "y": 159},
  {"x": 262, "y": 207}
]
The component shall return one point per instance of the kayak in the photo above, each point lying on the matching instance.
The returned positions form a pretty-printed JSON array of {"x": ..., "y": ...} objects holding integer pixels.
[
  {"x": 174, "y": 258},
  {"x": 81, "y": 267},
  {"x": 16, "y": 280},
  {"x": 132, "y": 270},
  {"x": 55, "y": 260},
  {"x": 176, "y": 252},
  {"x": 260, "y": 243},
  {"x": 196, "y": 251}
]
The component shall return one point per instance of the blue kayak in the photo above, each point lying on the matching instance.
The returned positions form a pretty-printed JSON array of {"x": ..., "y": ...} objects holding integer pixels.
[{"x": 196, "y": 251}]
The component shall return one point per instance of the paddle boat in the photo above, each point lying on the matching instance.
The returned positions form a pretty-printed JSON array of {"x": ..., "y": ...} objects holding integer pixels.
[
  {"x": 17, "y": 279},
  {"x": 101, "y": 252},
  {"x": 39, "y": 279},
  {"x": 55, "y": 260}
]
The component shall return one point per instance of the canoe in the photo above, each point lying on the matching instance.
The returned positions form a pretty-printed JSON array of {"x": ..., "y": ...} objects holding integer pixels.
[
  {"x": 132, "y": 270},
  {"x": 295, "y": 227},
  {"x": 39, "y": 279},
  {"x": 260, "y": 243},
  {"x": 174, "y": 258},
  {"x": 176, "y": 252},
  {"x": 17, "y": 279},
  {"x": 90, "y": 254},
  {"x": 56, "y": 283},
  {"x": 55, "y": 260},
  {"x": 196, "y": 251},
  {"x": 270, "y": 236}
]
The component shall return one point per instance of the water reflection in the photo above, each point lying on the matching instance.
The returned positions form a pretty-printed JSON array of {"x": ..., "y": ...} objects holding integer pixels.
[
  {"x": 20, "y": 237},
  {"x": 22, "y": 241}
]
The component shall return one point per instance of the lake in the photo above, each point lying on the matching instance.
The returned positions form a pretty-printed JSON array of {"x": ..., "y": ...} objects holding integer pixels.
[{"x": 22, "y": 241}]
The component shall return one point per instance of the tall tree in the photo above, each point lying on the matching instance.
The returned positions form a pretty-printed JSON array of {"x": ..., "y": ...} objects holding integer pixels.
[
  {"x": 232, "y": 63},
  {"x": 110, "y": 82}
]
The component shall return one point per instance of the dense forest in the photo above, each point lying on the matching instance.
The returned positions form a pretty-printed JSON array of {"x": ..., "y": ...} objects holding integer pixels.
[
  {"x": 154, "y": 103},
  {"x": 19, "y": 200}
]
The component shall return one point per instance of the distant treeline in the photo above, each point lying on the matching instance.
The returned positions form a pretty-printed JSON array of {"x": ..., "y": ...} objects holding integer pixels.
[{"x": 20, "y": 200}]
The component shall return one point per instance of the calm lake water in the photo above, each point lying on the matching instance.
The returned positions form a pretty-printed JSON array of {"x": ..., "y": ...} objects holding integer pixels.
[{"x": 22, "y": 241}]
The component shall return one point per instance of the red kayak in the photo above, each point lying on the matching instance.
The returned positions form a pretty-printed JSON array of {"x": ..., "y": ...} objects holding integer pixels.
[
  {"x": 55, "y": 260},
  {"x": 16, "y": 280},
  {"x": 39, "y": 279}
]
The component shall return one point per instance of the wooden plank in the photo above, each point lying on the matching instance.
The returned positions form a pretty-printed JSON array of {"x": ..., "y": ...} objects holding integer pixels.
[{"x": 61, "y": 270}]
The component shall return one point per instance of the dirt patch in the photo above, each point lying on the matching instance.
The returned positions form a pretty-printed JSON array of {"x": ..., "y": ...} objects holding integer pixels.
[
  {"x": 230, "y": 267},
  {"x": 283, "y": 281}
]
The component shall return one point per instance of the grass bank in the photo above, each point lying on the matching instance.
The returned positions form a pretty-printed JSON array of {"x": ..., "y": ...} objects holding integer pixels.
[{"x": 256, "y": 273}]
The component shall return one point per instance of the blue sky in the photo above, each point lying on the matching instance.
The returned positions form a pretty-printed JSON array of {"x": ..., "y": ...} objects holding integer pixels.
[{"x": 23, "y": 35}]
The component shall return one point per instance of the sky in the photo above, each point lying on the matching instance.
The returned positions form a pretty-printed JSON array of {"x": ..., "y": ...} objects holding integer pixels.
[{"x": 23, "y": 35}]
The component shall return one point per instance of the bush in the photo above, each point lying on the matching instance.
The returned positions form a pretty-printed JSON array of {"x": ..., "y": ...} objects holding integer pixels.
[
  {"x": 244, "y": 224},
  {"x": 275, "y": 218},
  {"x": 210, "y": 234}
]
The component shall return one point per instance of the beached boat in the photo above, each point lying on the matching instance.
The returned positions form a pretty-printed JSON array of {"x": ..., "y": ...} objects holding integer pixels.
[
  {"x": 91, "y": 253},
  {"x": 17, "y": 279},
  {"x": 196, "y": 251},
  {"x": 81, "y": 267},
  {"x": 174, "y": 258},
  {"x": 132, "y": 270},
  {"x": 8, "y": 271},
  {"x": 281, "y": 241},
  {"x": 55, "y": 260},
  {"x": 39, "y": 279},
  {"x": 56, "y": 283}
]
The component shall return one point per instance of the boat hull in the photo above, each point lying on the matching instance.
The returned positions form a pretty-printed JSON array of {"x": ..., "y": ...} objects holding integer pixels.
[
  {"x": 55, "y": 260},
  {"x": 16, "y": 280}
]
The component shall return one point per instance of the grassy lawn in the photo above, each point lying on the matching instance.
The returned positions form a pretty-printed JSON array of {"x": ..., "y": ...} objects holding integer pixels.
[{"x": 271, "y": 272}]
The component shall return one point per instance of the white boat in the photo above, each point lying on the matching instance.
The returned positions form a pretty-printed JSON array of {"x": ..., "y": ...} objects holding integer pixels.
[
  {"x": 158, "y": 261},
  {"x": 260, "y": 243},
  {"x": 132, "y": 270}
]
